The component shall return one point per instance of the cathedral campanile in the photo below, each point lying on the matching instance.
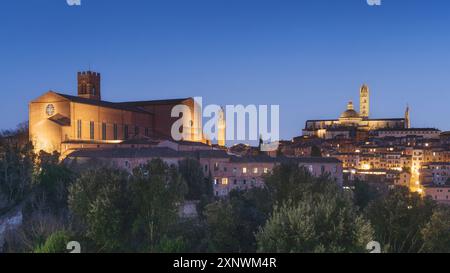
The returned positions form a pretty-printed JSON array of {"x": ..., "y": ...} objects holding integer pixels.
[{"x": 364, "y": 100}]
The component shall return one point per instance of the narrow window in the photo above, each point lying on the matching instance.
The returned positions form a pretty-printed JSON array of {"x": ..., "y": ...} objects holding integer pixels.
[
  {"x": 104, "y": 131},
  {"x": 125, "y": 132},
  {"x": 91, "y": 129},
  {"x": 116, "y": 135},
  {"x": 79, "y": 129}
]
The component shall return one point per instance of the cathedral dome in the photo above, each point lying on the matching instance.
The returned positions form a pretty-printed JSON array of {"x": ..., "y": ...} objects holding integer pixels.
[{"x": 350, "y": 112}]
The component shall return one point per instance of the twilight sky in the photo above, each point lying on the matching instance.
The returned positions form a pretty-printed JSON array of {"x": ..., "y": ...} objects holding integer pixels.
[{"x": 308, "y": 56}]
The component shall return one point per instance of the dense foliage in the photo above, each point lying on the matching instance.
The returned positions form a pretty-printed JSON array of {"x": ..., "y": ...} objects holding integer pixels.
[{"x": 111, "y": 210}]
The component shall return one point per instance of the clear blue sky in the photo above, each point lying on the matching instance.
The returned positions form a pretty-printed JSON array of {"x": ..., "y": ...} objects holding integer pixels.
[{"x": 310, "y": 57}]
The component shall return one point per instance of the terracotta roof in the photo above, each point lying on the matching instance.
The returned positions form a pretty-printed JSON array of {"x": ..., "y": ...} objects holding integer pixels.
[
  {"x": 153, "y": 152},
  {"x": 126, "y": 153},
  {"x": 191, "y": 143},
  {"x": 153, "y": 102},
  {"x": 102, "y": 103},
  {"x": 283, "y": 159}
]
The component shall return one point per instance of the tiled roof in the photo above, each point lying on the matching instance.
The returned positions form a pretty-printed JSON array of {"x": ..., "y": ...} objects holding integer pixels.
[
  {"x": 191, "y": 143},
  {"x": 283, "y": 159},
  {"x": 102, "y": 103},
  {"x": 212, "y": 154},
  {"x": 409, "y": 129},
  {"x": 60, "y": 119},
  {"x": 152, "y": 102},
  {"x": 127, "y": 153}
]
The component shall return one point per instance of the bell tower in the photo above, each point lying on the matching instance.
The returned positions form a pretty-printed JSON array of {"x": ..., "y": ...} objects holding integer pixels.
[
  {"x": 89, "y": 85},
  {"x": 364, "y": 101},
  {"x": 407, "y": 118},
  {"x": 221, "y": 124}
]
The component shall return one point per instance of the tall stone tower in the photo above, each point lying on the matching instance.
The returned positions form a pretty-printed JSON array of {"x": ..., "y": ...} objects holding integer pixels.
[
  {"x": 89, "y": 85},
  {"x": 407, "y": 118},
  {"x": 221, "y": 124},
  {"x": 364, "y": 101}
]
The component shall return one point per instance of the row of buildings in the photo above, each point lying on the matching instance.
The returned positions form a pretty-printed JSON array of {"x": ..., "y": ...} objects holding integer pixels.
[{"x": 228, "y": 171}]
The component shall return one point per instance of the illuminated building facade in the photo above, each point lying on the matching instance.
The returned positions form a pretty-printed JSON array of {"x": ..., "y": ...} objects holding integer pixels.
[
  {"x": 58, "y": 121},
  {"x": 351, "y": 121}
]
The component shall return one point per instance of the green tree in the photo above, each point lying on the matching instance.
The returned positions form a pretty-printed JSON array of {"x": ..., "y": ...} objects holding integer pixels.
[
  {"x": 233, "y": 221},
  {"x": 16, "y": 169},
  {"x": 100, "y": 202},
  {"x": 311, "y": 214},
  {"x": 288, "y": 182},
  {"x": 436, "y": 233},
  {"x": 364, "y": 193},
  {"x": 52, "y": 180},
  {"x": 315, "y": 224},
  {"x": 251, "y": 209},
  {"x": 198, "y": 186},
  {"x": 55, "y": 243},
  {"x": 157, "y": 191},
  {"x": 399, "y": 218},
  {"x": 168, "y": 245},
  {"x": 222, "y": 228}
]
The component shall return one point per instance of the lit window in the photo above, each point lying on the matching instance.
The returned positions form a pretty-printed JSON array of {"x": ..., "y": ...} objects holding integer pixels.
[
  {"x": 224, "y": 181},
  {"x": 266, "y": 170},
  {"x": 244, "y": 170},
  {"x": 255, "y": 170}
]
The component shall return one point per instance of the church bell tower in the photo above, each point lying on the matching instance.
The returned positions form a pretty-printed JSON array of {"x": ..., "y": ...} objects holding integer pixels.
[
  {"x": 364, "y": 101},
  {"x": 89, "y": 85},
  {"x": 407, "y": 118}
]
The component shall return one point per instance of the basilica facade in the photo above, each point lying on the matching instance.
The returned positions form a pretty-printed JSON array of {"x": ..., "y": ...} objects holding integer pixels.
[{"x": 351, "y": 122}]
